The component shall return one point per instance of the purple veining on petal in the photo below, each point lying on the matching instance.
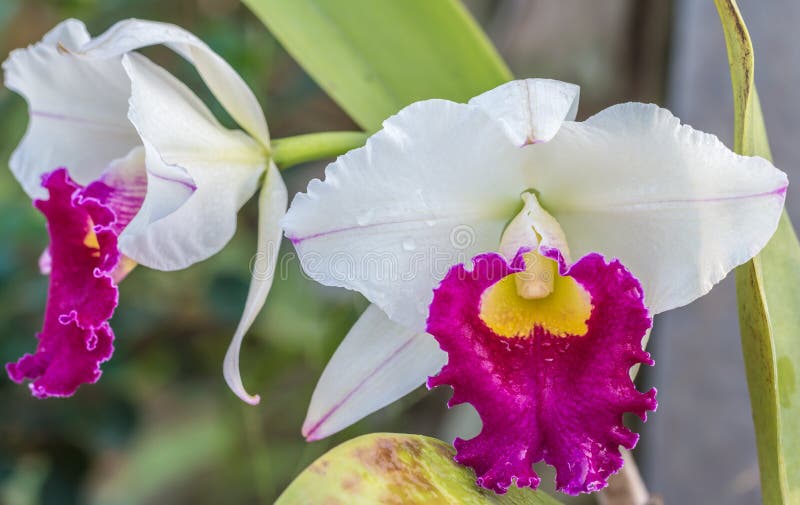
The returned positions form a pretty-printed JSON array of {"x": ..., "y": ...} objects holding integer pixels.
[
  {"x": 544, "y": 397},
  {"x": 775, "y": 192},
  {"x": 76, "y": 337},
  {"x": 779, "y": 192},
  {"x": 298, "y": 240},
  {"x": 122, "y": 187},
  {"x": 73, "y": 119},
  {"x": 191, "y": 186},
  {"x": 123, "y": 196}
]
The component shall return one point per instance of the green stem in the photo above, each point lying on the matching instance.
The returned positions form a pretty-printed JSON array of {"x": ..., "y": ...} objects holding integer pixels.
[{"x": 290, "y": 151}]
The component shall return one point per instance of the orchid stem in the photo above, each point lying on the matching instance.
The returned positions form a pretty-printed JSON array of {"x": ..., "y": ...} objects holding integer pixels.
[
  {"x": 626, "y": 487},
  {"x": 290, "y": 151}
]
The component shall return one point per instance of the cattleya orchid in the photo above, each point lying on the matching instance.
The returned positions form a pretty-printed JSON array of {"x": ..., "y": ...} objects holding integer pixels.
[
  {"x": 129, "y": 166},
  {"x": 519, "y": 256}
]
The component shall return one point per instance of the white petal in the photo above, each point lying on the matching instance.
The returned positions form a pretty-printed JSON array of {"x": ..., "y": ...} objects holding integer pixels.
[
  {"x": 199, "y": 173},
  {"x": 674, "y": 204},
  {"x": 433, "y": 188},
  {"x": 78, "y": 109},
  {"x": 378, "y": 362},
  {"x": 223, "y": 81},
  {"x": 168, "y": 188},
  {"x": 531, "y": 110},
  {"x": 271, "y": 208}
]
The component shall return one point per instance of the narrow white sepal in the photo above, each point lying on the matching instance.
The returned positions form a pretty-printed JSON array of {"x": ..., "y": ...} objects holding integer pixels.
[
  {"x": 199, "y": 173},
  {"x": 272, "y": 204},
  {"x": 530, "y": 110},
  {"x": 223, "y": 81},
  {"x": 378, "y": 362}
]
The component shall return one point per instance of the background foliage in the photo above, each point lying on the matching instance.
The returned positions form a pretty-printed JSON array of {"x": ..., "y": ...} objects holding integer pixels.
[{"x": 161, "y": 427}]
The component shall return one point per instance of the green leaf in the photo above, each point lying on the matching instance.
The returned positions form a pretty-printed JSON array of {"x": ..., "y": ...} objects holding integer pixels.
[
  {"x": 392, "y": 468},
  {"x": 769, "y": 297},
  {"x": 373, "y": 57}
]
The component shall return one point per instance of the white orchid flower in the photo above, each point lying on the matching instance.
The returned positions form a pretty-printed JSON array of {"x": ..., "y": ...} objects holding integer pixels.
[
  {"x": 177, "y": 177},
  {"x": 512, "y": 172}
]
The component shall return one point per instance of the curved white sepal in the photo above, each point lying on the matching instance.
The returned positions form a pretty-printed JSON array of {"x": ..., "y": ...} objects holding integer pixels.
[
  {"x": 127, "y": 178},
  {"x": 199, "y": 173},
  {"x": 272, "y": 204},
  {"x": 377, "y": 363},
  {"x": 223, "y": 81}
]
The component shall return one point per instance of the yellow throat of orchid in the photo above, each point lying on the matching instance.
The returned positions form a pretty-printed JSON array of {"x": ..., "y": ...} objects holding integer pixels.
[
  {"x": 90, "y": 240},
  {"x": 537, "y": 296}
]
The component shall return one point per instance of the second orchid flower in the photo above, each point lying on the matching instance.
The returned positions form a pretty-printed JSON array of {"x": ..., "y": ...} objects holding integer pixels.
[
  {"x": 577, "y": 233},
  {"x": 137, "y": 170}
]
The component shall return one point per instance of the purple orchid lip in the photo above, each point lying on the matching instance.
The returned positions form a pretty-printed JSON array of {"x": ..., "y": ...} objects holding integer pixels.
[
  {"x": 81, "y": 260},
  {"x": 544, "y": 396}
]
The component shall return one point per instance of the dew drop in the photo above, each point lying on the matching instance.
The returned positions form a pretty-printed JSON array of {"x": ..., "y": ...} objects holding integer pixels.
[
  {"x": 365, "y": 218},
  {"x": 409, "y": 244}
]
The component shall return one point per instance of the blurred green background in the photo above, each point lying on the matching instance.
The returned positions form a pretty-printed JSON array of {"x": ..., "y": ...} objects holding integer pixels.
[{"x": 161, "y": 426}]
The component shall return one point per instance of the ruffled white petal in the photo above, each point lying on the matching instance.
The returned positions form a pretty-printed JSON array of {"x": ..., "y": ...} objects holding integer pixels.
[
  {"x": 674, "y": 204},
  {"x": 271, "y": 208},
  {"x": 531, "y": 110},
  {"x": 433, "y": 188},
  {"x": 378, "y": 362},
  {"x": 78, "y": 109},
  {"x": 223, "y": 81},
  {"x": 199, "y": 173}
]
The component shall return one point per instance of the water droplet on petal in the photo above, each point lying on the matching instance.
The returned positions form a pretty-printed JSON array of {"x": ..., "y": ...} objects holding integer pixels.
[
  {"x": 409, "y": 244},
  {"x": 365, "y": 218}
]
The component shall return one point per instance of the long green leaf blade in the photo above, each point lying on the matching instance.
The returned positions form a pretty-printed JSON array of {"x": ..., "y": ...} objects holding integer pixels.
[
  {"x": 392, "y": 468},
  {"x": 769, "y": 297},
  {"x": 374, "y": 57}
]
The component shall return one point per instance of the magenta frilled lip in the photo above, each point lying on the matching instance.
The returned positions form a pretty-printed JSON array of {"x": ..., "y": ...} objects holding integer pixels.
[
  {"x": 557, "y": 398},
  {"x": 81, "y": 259}
]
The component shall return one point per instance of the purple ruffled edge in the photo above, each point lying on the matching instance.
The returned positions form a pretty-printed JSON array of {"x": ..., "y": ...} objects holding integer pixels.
[{"x": 76, "y": 337}]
